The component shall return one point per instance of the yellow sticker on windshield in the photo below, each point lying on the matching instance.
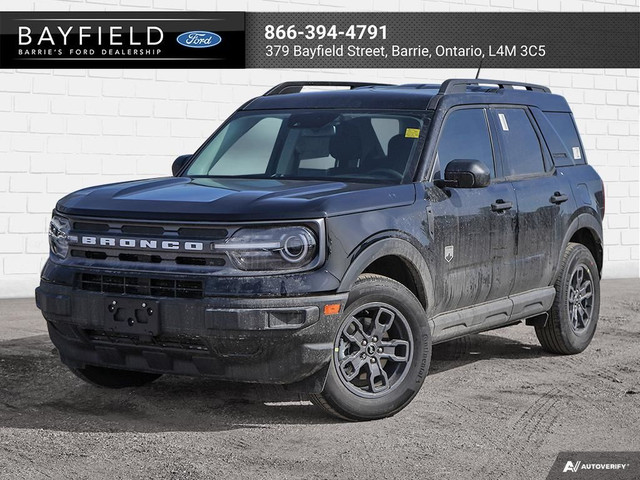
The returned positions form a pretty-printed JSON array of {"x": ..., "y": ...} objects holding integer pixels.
[{"x": 412, "y": 133}]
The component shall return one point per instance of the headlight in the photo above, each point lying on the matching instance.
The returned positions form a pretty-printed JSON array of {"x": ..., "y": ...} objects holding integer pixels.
[
  {"x": 264, "y": 249},
  {"x": 58, "y": 236}
]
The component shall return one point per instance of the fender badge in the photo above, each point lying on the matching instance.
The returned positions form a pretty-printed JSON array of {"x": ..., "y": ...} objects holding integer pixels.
[{"x": 448, "y": 253}]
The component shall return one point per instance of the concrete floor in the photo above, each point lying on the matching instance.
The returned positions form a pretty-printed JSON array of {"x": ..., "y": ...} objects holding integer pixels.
[{"x": 494, "y": 406}]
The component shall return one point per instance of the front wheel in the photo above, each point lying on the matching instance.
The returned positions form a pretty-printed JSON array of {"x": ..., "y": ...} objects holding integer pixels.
[
  {"x": 113, "y": 377},
  {"x": 381, "y": 352}
]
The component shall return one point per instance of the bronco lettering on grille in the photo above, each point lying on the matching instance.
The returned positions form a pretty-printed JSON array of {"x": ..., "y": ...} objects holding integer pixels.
[{"x": 141, "y": 243}]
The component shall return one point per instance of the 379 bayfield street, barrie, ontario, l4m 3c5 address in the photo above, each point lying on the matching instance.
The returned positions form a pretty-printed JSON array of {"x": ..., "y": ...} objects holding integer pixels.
[{"x": 340, "y": 50}]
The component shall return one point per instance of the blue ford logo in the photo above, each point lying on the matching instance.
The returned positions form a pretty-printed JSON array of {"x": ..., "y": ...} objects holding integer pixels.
[{"x": 198, "y": 39}]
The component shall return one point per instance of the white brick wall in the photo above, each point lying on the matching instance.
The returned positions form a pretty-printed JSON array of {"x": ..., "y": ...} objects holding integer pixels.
[{"x": 61, "y": 130}]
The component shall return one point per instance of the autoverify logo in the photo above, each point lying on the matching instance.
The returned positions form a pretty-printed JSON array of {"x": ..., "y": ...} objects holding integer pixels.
[
  {"x": 580, "y": 466},
  {"x": 198, "y": 39}
]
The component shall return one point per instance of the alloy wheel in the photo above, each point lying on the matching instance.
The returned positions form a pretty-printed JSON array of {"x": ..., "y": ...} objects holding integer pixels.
[
  {"x": 373, "y": 350},
  {"x": 580, "y": 298}
]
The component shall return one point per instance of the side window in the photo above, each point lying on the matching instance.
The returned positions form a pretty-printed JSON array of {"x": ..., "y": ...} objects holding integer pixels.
[
  {"x": 566, "y": 130},
  {"x": 312, "y": 150},
  {"x": 520, "y": 144},
  {"x": 385, "y": 129},
  {"x": 250, "y": 154},
  {"x": 465, "y": 136}
]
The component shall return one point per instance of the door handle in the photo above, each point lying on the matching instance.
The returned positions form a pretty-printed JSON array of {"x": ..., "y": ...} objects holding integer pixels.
[
  {"x": 500, "y": 205},
  {"x": 558, "y": 198}
]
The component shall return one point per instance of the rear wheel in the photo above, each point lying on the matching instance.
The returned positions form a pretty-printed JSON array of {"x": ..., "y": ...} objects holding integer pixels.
[
  {"x": 113, "y": 377},
  {"x": 574, "y": 314},
  {"x": 381, "y": 352}
]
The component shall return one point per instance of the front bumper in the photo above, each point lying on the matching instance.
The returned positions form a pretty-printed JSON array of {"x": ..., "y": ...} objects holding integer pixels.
[{"x": 282, "y": 340}]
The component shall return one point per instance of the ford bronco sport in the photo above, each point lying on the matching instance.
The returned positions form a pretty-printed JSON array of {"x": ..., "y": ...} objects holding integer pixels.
[{"x": 324, "y": 240}]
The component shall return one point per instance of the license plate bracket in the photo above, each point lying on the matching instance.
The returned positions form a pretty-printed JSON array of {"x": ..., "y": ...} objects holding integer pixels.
[{"x": 131, "y": 315}]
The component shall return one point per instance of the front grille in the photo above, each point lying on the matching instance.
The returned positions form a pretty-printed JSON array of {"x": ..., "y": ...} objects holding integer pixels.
[
  {"x": 182, "y": 342},
  {"x": 149, "y": 287},
  {"x": 114, "y": 231}
]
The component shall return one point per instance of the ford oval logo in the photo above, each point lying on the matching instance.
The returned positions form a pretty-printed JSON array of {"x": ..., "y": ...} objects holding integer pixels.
[{"x": 198, "y": 39}]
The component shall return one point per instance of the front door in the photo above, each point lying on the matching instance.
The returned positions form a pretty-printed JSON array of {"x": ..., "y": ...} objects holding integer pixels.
[{"x": 474, "y": 228}]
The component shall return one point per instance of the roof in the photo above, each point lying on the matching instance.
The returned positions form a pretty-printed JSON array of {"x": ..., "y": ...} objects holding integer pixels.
[
  {"x": 392, "y": 98},
  {"x": 289, "y": 95}
]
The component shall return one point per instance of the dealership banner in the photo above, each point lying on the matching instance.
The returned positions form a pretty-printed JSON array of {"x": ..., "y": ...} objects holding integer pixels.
[
  {"x": 318, "y": 40},
  {"x": 122, "y": 40}
]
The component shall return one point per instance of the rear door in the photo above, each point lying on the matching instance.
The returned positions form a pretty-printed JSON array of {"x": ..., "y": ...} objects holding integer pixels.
[
  {"x": 541, "y": 193},
  {"x": 474, "y": 227}
]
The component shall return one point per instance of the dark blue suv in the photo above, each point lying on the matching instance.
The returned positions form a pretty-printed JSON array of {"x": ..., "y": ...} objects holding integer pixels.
[{"x": 324, "y": 240}]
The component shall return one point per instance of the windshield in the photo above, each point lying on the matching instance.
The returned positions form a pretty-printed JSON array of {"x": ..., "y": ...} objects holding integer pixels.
[{"x": 318, "y": 144}]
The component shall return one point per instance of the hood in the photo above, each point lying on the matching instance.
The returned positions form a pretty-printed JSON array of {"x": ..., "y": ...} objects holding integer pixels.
[{"x": 232, "y": 199}]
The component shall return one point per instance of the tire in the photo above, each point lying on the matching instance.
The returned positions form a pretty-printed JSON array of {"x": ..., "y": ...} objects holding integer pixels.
[
  {"x": 382, "y": 352},
  {"x": 114, "y": 378},
  {"x": 574, "y": 315}
]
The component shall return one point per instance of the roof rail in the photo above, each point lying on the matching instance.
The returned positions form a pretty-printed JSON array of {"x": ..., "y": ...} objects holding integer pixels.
[
  {"x": 459, "y": 85},
  {"x": 296, "y": 87}
]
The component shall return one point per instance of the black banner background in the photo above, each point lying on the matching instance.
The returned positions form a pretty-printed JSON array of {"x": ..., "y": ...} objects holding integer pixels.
[{"x": 571, "y": 40}]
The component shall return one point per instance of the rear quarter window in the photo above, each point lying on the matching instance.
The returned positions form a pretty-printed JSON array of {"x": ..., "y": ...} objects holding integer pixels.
[{"x": 565, "y": 127}]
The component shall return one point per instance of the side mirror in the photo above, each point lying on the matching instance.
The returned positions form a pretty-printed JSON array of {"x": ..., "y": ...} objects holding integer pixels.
[
  {"x": 178, "y": 163},
  {"x": 466, "y": 174}
]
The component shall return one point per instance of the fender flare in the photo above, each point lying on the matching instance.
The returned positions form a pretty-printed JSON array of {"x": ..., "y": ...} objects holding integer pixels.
[
  {"x": 583, "y": 220},
  {"x": 396, "y": 247}
]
